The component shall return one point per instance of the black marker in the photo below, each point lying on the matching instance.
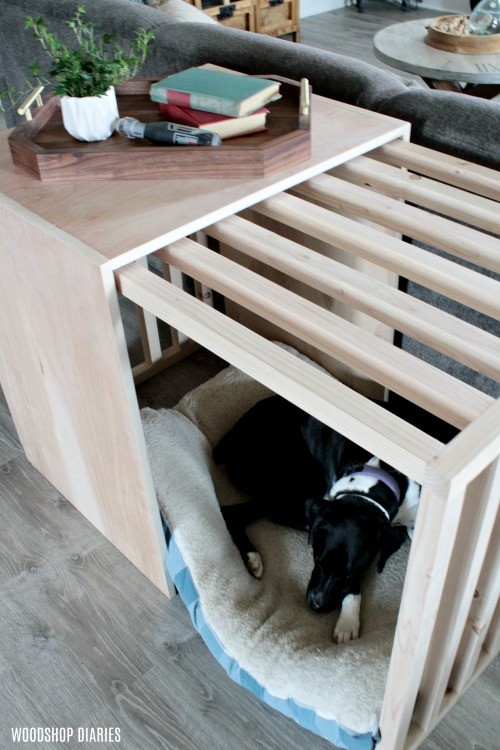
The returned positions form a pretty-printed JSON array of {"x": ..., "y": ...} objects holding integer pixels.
[{"x": 167, "y": 133}]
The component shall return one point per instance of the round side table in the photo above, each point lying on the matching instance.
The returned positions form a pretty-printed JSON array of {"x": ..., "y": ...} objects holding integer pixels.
[{"x": 402, "y": 46}]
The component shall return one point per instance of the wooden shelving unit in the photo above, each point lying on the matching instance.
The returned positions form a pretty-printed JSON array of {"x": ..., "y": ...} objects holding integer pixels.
[{"x": 271, "y": 17}]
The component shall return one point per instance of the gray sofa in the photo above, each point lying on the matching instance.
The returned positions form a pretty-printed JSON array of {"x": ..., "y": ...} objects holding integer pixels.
[{"x": 454, "y": 123}]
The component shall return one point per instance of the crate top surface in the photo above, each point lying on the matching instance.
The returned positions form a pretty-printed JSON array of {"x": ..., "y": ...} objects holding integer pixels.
[{"x": 123, "y": 220}]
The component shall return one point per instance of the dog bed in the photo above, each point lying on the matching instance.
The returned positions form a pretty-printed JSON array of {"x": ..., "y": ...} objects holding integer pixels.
[{"x": 263, "y": 632}]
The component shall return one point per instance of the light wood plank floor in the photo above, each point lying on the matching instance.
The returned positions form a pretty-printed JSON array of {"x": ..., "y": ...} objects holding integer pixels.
[{"x": 88, "y": 641}]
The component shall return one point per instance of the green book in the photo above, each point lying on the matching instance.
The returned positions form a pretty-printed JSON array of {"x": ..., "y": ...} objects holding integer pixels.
[{"x": 210, "y": 90}]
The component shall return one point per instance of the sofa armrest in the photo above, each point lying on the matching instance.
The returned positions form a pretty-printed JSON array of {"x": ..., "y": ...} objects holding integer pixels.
[{"x": 458, "y": 124}]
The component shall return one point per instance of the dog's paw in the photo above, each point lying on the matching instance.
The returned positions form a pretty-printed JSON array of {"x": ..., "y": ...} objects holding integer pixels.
[
  {"x": 254, "y": 564},
  {"x": 345, "y": 631},
  {"x": 347, "y": 627}
]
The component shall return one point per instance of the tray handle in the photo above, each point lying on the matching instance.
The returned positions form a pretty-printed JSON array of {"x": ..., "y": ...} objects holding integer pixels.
[{"x": 25, "y": 108}]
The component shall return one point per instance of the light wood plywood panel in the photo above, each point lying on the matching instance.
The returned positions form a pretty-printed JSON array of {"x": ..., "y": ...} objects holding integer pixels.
[
  {"x": 67, "y": 380},
  {"x": 126, "y": 219}
]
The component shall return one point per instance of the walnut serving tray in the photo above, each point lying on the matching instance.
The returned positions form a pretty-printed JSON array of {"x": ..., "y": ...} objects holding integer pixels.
[{"x": 43, "y": 148}]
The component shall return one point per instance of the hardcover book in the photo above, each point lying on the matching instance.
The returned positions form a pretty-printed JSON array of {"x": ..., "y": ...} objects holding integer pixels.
[
  {"x": 215, "y": 91},
  {"x": 226, "y": 127}
]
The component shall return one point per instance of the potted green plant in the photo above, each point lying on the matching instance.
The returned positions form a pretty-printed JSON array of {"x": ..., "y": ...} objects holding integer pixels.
[{"x": 84, "y": 76}]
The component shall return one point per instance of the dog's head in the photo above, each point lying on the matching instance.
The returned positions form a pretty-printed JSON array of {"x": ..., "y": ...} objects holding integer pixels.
[{"x": 346, "y": 537}]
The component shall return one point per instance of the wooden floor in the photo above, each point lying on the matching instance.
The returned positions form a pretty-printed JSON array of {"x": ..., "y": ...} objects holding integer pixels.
[
  {"x": 347, "y": 32},
  {"x": 87, "y": 641}
]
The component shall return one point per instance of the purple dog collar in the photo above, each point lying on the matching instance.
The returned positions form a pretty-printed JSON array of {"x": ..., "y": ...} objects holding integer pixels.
[{"x": 382, "y": 476}]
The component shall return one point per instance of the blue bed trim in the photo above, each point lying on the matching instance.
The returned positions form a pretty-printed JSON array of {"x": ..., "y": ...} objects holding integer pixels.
[{"x": 302, "y": 714}]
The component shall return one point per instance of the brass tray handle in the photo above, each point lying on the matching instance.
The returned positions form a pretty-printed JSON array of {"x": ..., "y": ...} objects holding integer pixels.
[
  {"x": 304, "y": 105},
  {"x": 25, "y": 108}
]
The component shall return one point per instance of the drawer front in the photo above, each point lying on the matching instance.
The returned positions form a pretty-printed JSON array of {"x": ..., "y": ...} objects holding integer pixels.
[
  {"x": 238, "y": 15},
  {"x": 275, "y": 17}
]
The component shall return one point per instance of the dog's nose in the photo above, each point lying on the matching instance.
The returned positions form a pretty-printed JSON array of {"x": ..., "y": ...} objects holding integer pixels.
[{"x": 316, "y": 599}]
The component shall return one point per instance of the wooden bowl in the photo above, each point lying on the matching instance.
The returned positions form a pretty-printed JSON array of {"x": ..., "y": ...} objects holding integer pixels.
[{"x": 449, "y": 41}]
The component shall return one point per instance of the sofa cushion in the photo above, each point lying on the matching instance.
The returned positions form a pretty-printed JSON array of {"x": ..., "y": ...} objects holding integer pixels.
[{"x": 181, "y": 11}]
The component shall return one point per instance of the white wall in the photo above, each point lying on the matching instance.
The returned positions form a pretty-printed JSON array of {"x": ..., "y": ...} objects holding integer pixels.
[
  {"x": 313, "y": 7},
  {"x": 450, "y": 6}
]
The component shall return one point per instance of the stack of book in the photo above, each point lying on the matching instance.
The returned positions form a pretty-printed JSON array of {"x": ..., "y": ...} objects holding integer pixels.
[{"x": 224, "y": 102}]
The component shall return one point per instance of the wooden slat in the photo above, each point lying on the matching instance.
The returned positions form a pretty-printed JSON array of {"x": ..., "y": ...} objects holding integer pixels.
[
  {"x": 150, "y": 339},
  {"x": 401, "y": 184},
  {"x": 449, "y": 169},
  {"x": 468, "y": 453},
  {"x": 438, "y": 523},
  {"x": 202, "y": 291},
  {"x": 492, "y": 640},
  {"x": 474, "y": 451},
  {"x": 350, "y": 376},
  {"x": 416, "y": 735},
  {"x": 469, "y": 550},
  {"x": 433, "y": 540},
  {"x": 480, "y": 617},
  {"x": 436, "y": 391},
  {"x": 354, "y": 416},
  {"x": 449, "y": 335},
  {"x": 441, "y": 275},
  {"x": 171, "y": 356},
  {"x": 156, "y": 359},
  {"x": 175, "y": 277},
  {"x": 461, "y": 241},
  {"x": 148, "y": 327}
]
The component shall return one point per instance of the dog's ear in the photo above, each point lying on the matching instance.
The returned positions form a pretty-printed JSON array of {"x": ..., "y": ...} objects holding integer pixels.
[
  {"x": 314, "y": 515},
  {"x": 390, "y": 539}
]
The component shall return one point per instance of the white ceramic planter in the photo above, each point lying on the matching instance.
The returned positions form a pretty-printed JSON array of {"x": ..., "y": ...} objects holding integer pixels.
[{"x": 90, "y": 118}]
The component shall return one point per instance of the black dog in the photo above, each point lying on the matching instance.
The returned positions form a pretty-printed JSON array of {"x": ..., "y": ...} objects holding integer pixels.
[{"x": 288, "y": 463}]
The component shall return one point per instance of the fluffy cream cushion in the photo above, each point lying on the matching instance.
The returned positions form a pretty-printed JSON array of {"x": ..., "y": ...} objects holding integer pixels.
[
  {"x": 266, "y": 625},
  {"x": 181, "y": 11}
]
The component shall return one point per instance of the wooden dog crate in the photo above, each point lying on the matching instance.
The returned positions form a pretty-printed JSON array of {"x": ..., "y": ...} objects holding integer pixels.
[{"x": 336, "y": 225}]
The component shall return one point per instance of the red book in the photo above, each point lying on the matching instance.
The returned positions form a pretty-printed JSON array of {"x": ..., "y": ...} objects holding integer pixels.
[{"x": 226, "y": 127}]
